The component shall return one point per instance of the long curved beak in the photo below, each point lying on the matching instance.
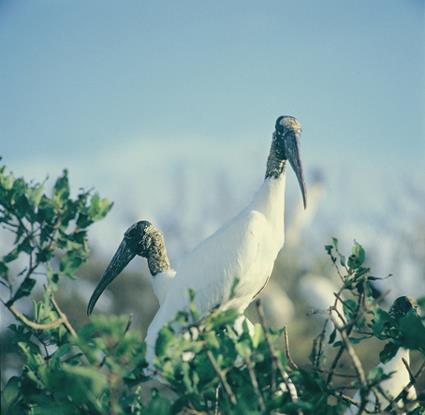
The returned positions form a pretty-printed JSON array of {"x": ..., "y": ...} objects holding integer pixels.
[
  {"x": 118, "y": 262},
  {"x": 292, "y": 149}
]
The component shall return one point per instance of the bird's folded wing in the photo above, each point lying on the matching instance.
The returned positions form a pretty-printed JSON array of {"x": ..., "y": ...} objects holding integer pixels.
[{"x": 210, "y": 270}]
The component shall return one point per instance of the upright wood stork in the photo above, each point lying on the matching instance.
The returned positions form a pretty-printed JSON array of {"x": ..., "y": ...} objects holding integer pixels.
[
  {"x": 399, "y": 374},
  {"x": 245, "y": 248}
]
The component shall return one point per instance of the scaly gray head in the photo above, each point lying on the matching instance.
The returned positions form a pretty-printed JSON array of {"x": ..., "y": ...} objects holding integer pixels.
[
  {"x": 285, "y": 146},
  {"x": 402, "y": 305},
  {"x": 142, "y": 239}
]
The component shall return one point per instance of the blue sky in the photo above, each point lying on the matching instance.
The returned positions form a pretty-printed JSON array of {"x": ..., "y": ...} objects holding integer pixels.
[
  {"x": 130, "y": 94},
  {"x": 78, "y": 75}
]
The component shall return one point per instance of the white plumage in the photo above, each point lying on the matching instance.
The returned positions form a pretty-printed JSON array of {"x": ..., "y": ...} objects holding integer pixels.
[
  {"x": 319, "y": 292},
  {"x": 244, "y": 249},
  {"x": 392, "y": 386}
]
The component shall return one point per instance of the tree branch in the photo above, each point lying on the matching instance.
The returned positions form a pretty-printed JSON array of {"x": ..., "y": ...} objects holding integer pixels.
[{"x": 222, "y": 377}]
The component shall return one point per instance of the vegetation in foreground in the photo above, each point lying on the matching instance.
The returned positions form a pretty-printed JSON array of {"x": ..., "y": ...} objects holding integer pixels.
[{"x": 210, "y": 368}]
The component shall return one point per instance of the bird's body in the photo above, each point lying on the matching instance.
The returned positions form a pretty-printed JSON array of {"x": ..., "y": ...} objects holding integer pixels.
[
  {"x": 244, "y": 250},
  {"x": 392, "y": 386},
  {"x": 399, "y": 379},
  {"x": 319, "y": 293}
]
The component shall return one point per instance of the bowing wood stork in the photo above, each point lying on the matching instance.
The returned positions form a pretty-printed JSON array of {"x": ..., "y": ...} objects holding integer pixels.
[
  {"x": 245, "y": 248},
  {"x": 395, "y": 367}
]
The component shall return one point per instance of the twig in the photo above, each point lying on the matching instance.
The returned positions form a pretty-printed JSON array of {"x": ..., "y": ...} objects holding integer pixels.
[
  {"x": 222, "y": 377},
  {"x": 33, "y": 324},
  {"x": 356, "y": 362},
  {"x": 63, "y": 316},
  {"x": 291, "y": 363},
  {"x": 292, "y": 391},
  {"x": 347, "y": 330},
  {"x": 217, "y": 395},
  {"x": 348, "y": 399},
  {"x": 318, "y": 346},
  {"x": 127, "y": 327},
  {"x": 406, "y": 365},
  {"x": 405, "y": 390},
  {"x": 353, "y": 355},
  {"x": 254, "y": 382},
  {"x": 266, "y": 336},
  {"x": 334, "y": 364},
  {"x": 340, "y": 375}
]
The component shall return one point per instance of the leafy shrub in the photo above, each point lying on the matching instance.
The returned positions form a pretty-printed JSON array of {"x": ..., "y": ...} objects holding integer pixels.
[{"x": 208, "y": 365}]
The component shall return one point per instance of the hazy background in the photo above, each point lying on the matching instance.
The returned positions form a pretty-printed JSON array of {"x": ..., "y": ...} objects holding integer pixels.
[{"x": 167, "y": 108}]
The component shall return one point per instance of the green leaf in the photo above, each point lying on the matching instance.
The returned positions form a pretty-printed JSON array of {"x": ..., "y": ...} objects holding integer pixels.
[
  {"x": 71, "y": 261},
  {"x": 25, "y": 246},
  {"x": 258, "y": 336},
  {"x": 61, "y": 188},
  {"x": 357, "y": 257},
  {"x": 25, "y": 289},
  {"x": 46, "y": 213},
  {"x": 11, "y": 392},
  {"x": 377, "y": 375},
  {"x": 211, "y": 339},
  {"x": 332, "y": 337},
  {"x": 159, "y": 405},
  {"x": 35, "y": 194},
  {"x": 388, "y": 352},
  {"x": 3, "y": 270},
  {"x": 165, "y": 337},
  {"x": 421, "y": 303},
  {"x": 11, "y": 256},
  {"x": 98, "y": 207},
  {"x": 80, "y": 384},
  {"x": 350, "y": 308},
  {"x": 6, "y": 182},
  {"x": 381, "y": 318},
  {"x": 412, "y": 331}
]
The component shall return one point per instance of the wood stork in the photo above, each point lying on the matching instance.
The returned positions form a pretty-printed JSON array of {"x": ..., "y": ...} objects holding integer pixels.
[
  {"x": 245, "y": 248},
  {"x": 399, "y": 374},
  {"x": 319, "y": 292}
]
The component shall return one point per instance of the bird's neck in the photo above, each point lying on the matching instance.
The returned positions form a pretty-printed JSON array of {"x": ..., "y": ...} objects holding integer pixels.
[
  {"x": 276, "y": 162},
  {"x": 156, "y": 254},
  {"x": 270, "y": 199}
]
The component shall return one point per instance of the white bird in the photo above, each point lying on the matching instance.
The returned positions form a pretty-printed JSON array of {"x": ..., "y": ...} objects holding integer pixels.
[
  {"x": 278, "y": 307},
  {"x": 395, "y": 367},
  {"x": 319, "y": 292},
  {"x": 302, "y": 219},
  {"x": 245, "y": 248}
]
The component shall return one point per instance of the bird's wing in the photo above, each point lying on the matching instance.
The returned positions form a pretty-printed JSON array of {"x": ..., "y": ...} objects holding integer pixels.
[{"x": 210, "y": 270}]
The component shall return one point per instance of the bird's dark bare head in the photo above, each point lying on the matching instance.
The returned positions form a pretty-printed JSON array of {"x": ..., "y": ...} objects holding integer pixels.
[
  {"x": 286, "y": 123},
  {"x": 138, "y": 237},
  {"x": 142, "y": 239},
  {"x": 286, "y": 147}
]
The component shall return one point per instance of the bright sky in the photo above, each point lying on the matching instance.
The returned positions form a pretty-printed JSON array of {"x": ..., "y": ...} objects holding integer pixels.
[
  {"x": 79, "y": 75},
  {"x": 117, "y": 91}
]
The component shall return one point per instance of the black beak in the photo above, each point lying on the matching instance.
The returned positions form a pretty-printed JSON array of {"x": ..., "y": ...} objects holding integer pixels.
[
  {"x": 292, "y": 139},
  {"x": 119, "y": 261}
]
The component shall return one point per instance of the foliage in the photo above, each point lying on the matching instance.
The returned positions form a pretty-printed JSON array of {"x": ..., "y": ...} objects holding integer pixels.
[{"x": 208, "y": 365}]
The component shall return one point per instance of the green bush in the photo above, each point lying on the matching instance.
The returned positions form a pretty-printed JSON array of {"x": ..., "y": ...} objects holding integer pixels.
[{"x": 100, "y": 367}]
